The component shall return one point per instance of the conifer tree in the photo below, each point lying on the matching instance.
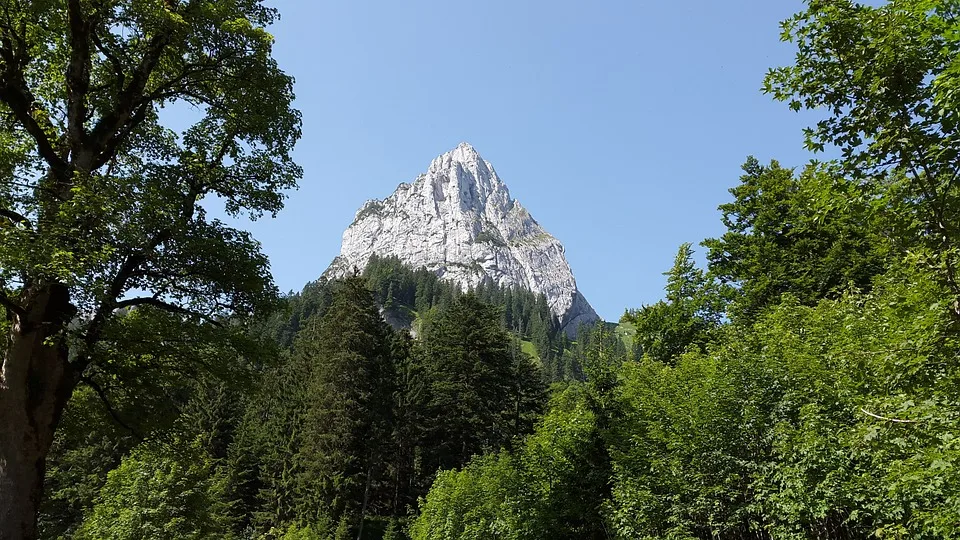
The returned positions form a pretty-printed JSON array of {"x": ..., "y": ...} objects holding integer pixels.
[
  {"x": 347, "y": 423},
  {"x": 810, "y": 235},
  {"x": 687, "y": 317},
  {"x": 466, "y": 358}
]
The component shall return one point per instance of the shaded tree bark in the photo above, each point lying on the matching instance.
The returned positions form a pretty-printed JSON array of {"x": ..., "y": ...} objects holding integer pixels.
[{"x": 35, "y": 385}]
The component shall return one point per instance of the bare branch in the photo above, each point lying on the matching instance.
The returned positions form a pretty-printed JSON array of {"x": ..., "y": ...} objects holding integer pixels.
[
  {"x": 897, "y": 420},
  {"x": 106, "y": 403}
]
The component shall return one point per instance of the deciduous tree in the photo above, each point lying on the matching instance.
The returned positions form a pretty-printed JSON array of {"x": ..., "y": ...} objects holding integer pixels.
[
  {"x": 887, "y": 79},
  {"x": 100, "y": 204}
]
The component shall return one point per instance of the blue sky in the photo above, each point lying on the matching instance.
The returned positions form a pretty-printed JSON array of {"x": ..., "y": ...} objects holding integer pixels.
[{"x": 620, "y": 124}]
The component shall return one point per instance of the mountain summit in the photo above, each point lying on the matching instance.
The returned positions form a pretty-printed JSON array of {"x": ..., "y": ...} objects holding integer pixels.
[{"x": 459, "y": 220}]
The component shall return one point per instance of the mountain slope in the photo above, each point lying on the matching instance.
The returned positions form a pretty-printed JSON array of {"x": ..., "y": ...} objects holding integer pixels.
[{"x": 459, "y": 221}]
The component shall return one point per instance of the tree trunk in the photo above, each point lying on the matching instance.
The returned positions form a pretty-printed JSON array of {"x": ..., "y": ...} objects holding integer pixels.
[
  {"x": 35, "y": 384},
  {"x": 366, "y": 499}
]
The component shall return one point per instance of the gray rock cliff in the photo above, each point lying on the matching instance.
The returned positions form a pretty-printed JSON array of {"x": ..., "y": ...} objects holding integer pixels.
[{"x": 459, "y": 221}]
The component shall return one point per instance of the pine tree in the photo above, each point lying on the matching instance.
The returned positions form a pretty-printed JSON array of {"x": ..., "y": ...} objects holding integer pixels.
[
  {"x": 508, "y": 308},
  {"x": 540, "y": 336},
  {"x": 407, "y": 430},
  {"x": 466, "y": 358},
  {"x": 390, "y": 299},
  {"x": 264, "y": 472},
  {"x": 527, "y": 393},
  {"x": 689, "y": 315},
  {"x": 347, "y": 423}
]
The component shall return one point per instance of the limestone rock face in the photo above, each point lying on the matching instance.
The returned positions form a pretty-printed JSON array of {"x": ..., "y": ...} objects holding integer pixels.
[{"x": 459, "y": 221}]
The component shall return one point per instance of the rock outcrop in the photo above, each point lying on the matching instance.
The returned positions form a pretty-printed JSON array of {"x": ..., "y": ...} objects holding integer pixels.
[{"x": 459, "y": 220}]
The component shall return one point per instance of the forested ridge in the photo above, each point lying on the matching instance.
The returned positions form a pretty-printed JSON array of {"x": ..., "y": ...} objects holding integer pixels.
[{"x": 803, "y": 384}]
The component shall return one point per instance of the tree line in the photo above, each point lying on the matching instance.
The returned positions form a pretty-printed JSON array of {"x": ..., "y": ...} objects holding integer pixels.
[
  {"x": 409, "y": 296},
  {"x": 804, "y": 385},
  {"x": 343, "y": 429}
]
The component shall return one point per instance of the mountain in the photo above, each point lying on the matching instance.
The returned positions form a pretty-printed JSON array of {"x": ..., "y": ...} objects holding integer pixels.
[{"x": 459, "y": 221}]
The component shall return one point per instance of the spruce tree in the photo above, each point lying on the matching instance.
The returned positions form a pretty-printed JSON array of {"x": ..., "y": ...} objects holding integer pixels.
[
  {"x": 472, "y": 376},
  {"x": 689, "y": 316},
  {"x": 347, "y": 423}
]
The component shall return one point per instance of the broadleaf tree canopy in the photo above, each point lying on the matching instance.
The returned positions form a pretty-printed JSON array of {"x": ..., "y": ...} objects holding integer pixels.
[{"x": 101, "y": 201}]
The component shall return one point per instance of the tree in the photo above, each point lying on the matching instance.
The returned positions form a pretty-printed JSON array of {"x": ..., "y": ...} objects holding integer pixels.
[
  {"x": 317, "y": 429},
  {"x": 347, "y": 424},
  {"x": 153, "y": 495},
  {"x": 812, "y": 235},
  {"x": 100, "y": 203},
  {"x": 407, "y": 430},
  {"x": 265, "y": 473},
  {"x": 88, "y": 445},
  {"x": 887, "y": 78},
  {"x": 689, "y": 315},
  {"x": 475, "y": 386},
  {"x": 549, "y": 486}
]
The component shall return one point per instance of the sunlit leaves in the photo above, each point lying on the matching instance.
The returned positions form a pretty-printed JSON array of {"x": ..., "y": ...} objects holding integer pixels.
[
  {"x": 153, "y": 495},
  {"x": 885, "y": 78}
]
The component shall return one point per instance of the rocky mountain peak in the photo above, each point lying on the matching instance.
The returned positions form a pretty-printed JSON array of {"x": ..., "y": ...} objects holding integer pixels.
[
  {"x": 459, "y": 220},
  {"x": 461, "y": 175}
]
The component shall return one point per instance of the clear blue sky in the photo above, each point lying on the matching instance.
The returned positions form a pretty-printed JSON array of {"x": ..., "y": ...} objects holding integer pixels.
[{"x": 619, "y": 124}]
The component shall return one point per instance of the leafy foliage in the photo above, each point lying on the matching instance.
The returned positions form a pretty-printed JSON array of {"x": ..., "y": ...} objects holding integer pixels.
[
  {"x": 153, "y": 496},
  {"x": 812, "y": 235},
  {"x": 825, "y": 403},
  {"x": 805, "y": 385},
  {"x": 112, "y": 274},
  {"x": 550, "y": 488},
  {"x": 887, "y": 77},
  {"x": 89, "y": 445},
  {"x": 688, "y": 317}
]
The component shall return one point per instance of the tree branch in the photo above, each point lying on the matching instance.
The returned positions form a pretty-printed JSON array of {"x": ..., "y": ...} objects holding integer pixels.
[
  {"x": 15, "y": 217},
  {"x": 114, "y": 61},
  {"x": 12, "y": 306},
  {"x": 78, "y": 79},
  {"x": 165, "y": 306},
  {"x": 106, "y": 403},
  {"x": 110, "y": 126},
  {"x": 128, "y": 269},
  {"x": 897, "y": 420},
  {"x": 109, "y": 150},
  {"x": 15, "y": 93},
  {"x": 21, "y": 101}
]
